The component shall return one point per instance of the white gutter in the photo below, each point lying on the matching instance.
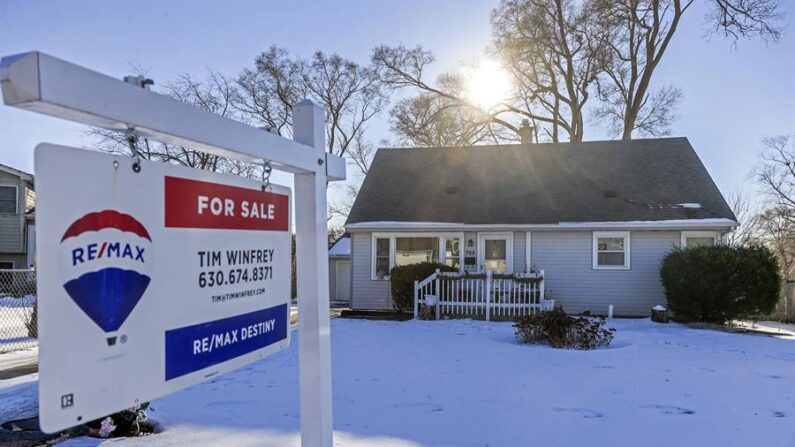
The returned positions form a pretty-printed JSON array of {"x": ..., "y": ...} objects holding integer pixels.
[{"x": 674, "y": 224}]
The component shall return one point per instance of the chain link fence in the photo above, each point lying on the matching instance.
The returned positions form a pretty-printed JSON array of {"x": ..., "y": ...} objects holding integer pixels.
[{"x": 17, "y": 310}]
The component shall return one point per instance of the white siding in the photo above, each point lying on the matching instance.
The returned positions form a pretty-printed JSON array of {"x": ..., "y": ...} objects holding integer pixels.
[
  {"x": 366, "y": 293},
  {"x": 519, "y": 249},
  {"x": 566, "y": 258},
  {"x": 10, "y": 234},
  {"x": 12, "y": 225}
]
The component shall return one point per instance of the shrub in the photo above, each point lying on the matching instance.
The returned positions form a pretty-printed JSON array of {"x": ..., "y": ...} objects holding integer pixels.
[
  {"x": 401, "y": 281},
  {"x": 720, "y": 283},
  {"x": 559, "y": 330},
  {"x": 131, "y": 422}
]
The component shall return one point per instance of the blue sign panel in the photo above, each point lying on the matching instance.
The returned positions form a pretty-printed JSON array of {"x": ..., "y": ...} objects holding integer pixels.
[{"x": 196, "y": 347}]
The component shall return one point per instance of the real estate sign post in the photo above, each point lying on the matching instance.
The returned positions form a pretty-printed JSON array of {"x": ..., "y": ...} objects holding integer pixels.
[{"x": 154, "y": 277}]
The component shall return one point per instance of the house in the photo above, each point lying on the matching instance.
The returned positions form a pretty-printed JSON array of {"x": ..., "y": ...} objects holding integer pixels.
[
  {"x": 17, "y": 218},
  {"x": 339, "y": 269},
  {"x": 597, "y": 217}
]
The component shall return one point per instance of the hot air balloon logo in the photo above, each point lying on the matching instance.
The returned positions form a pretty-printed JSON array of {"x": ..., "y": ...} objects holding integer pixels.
[{"x": 106, "y": 260}]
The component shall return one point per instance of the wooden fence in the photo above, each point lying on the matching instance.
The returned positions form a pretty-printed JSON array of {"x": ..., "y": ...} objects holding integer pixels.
[{"x": 482, "y": 295}]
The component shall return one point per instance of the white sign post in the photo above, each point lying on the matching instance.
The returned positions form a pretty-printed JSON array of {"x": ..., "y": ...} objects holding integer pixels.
[{"x": 44, "y": 84}]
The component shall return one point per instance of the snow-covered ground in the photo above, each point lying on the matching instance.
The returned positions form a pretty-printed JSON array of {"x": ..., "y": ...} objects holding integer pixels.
[
  {"x": 468, "y": 383},
  {"x": 17, "y": 358},
  {"x": 14, "y": 313},
  {"x": 19, "y": 398}
]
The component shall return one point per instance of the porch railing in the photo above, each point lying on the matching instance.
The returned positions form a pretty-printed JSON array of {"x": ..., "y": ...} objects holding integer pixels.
[{"x": 482, "y": 295}]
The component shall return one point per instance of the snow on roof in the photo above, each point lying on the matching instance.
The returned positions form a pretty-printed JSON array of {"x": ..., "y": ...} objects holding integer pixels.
[
  {"x": 342, "y": 247},
  {"x": 669, "y": 223}
]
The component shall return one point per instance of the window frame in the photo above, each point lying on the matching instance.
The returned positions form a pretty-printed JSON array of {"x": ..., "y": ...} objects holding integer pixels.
[
  {"x": 684, "y": 235},
  {"x": 373, "y": 258},
  {"x": 16, "y": 198},
  {"x": 626, "y": 235},
  {"x": 443, "y": 249},
  {"x": 442, "y": 238}
]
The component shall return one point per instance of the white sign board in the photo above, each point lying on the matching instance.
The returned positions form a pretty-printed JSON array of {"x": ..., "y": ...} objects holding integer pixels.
[{"x": 151, "y": 281}]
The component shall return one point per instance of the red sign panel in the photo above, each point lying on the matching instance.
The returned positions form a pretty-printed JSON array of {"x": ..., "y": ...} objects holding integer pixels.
[{"x": 197, "y": 204}]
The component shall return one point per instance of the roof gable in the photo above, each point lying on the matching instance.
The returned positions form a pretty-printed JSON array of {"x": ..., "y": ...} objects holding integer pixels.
[
  {"x": 603, "y": 181},
  {"x": 16, "y": 172}
]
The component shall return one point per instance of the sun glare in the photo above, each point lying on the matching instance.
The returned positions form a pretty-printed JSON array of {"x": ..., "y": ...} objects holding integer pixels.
[{"x": 487, "y": 84}]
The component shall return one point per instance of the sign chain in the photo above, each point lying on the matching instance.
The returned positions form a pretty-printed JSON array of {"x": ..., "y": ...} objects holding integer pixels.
[
  {"x": 132, "y": 140},
  {"x": 266, "y": 175}
]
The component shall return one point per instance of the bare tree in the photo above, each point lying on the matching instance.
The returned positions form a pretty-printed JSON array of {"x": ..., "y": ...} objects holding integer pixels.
[
  {"x": 215, "y": 94},
  {"x": 640, "y": 32},
  {"x": 360, "y": 153},
  {"x": 339, "y": 208},
  {"x": 401, "y": 67},
  {"x": 335, "y": 232},
  {"x": 266, "y": 94},
  {"x": 737, "y": 19},
  {"x": 554, "y": 51},
  {"x": 748, "y": 216},
  {"x": 776, "y": 174},
  {"x": 553, "y": 54},
  {"x": 429, "y": 120},
  {"x": 351, "y": 94},
  {"x": 263, "y": 96},
  {"x": 776, "y": 230}
]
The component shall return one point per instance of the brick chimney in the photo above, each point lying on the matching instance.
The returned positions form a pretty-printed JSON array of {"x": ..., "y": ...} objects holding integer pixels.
[{"x": 526, "y": 132}]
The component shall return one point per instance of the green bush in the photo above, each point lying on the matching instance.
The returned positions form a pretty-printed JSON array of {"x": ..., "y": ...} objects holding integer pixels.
[
  {"x": 401, "y": 281},
  {"x": 720, "y": 283}
]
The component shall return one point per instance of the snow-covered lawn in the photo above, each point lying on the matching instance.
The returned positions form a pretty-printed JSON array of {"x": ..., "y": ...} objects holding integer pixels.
[
  {"x": 467, "y": 383},
  {"x": 14, "y": 314}
]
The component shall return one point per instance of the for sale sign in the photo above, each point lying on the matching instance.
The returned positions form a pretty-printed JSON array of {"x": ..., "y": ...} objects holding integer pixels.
[{"x": 151, "y": 280}]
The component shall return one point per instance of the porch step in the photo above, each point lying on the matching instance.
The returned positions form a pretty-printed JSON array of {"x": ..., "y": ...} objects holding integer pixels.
[{"x": 376, "y": 315}]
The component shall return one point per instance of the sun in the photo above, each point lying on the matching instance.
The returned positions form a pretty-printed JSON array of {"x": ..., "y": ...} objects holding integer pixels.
[{"x": 487, "y": 84}]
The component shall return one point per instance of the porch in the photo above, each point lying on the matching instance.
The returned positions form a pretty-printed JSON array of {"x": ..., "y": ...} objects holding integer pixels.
[{"x": 481, "y": 295}]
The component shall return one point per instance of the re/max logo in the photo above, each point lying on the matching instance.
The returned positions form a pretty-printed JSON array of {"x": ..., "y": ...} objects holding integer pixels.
[{"x": 107, "y": 250}]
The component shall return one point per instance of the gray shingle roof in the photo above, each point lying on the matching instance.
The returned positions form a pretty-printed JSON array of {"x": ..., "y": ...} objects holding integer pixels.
[{"x": 600, "y": 181}]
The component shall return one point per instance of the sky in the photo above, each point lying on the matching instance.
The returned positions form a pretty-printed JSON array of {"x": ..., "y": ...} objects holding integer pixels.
[{"x": 734, "y": 95}]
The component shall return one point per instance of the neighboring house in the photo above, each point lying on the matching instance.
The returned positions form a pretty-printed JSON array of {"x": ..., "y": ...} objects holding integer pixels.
[
  {"x": 339, "y": 268},
  {"x": 597, "y": 217},
  {"x": 17, "y": 218}
]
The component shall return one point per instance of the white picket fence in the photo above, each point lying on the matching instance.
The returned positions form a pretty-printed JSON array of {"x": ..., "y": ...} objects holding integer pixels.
[{"x": 481, "y": 295}]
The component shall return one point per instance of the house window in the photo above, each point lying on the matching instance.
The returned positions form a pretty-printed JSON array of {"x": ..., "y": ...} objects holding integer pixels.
[
  {"x": 398, "y": 249},
  {"x": 496, "y": 259},
  {"x": 698, "y": 238},
  {"x": 381, "y": 265},
  {"x": 452, "y": 252},
  {"x": 8, "y": 199},
  {"x": 414, "y": 250},
  {"x": 611, "y": 250}
]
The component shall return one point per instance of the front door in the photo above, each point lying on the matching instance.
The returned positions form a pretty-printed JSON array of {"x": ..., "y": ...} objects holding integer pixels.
[
  {"x": 343, "y": 281},
  {"x": 495, "y": 252}
]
